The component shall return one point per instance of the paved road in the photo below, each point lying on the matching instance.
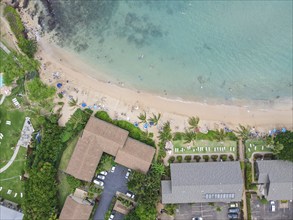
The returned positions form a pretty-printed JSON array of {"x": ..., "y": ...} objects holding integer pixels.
[{"x": 114, "y": 182}]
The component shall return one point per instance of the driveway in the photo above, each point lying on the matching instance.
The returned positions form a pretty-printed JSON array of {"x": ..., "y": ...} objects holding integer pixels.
[
  {"x": 114, "y": 182},
  {"x": 204, "y": 210},
  {"x": 262, "y": 211}
]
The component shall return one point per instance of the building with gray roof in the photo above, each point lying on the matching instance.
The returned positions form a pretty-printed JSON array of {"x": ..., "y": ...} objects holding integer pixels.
[
  {"x": 203, "y": 182},
  {"x": 275, "y": 178},
  {"x": 11, "y": 214}
]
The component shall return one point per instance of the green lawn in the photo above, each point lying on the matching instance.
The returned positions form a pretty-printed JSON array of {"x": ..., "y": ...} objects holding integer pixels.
[
  {"x": 204, "y": 147},
  {"x": 258, "y": 145},
  {"x": 9, "y": 179},
  {"x": 67, "y": 153},
  {"x": 64, "y": 188},
  {"x": 11, "y": 132}
]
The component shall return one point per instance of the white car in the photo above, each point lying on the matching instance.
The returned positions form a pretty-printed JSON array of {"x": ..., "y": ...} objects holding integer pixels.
[
  {"x": 113, "y": 169},
  {"x": 99, "y": 182},
  {"x": 104, "y": 173},
  {"x": 111, "y": 217},
  {"x": 101, "y": 177},
  {"x": 273, "y": 206},
  {"x": 127, "y": 175},
  {"x": 130, "y": 194}
]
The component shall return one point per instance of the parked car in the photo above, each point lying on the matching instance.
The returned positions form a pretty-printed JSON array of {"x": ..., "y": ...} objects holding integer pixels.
[
  {"x": 111, "y": 216},
  {"x": 113, "y": 169},
  {"x": 273, "y": 206},
  {"x": 233, "y": 210},
  {"x": 101, "y": 177},
  {"x": 234, "y": 205},
  {"x": 104, "y": 173},
  {"x": 130, "y": 194},
  {"x": 232, "y": 215},
  {"x": 197, "y": 218},
  {"x": 128, "y": 173},
  {"x": 99, "y": 182}
]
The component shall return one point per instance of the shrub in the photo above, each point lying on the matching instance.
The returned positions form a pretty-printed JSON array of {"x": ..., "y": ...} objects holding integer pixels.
[
  {"x": 223, "y": 157},
  {"x": 178, "y": 136},
  {"x": 171, "y": 159},
  {"x": 206, "y": 158},
  {"x": 257, "y": 156},
  {"x": 39, "y": 91},
  {"x": 187, "y": 158},
  {"x": 214, "y": 157},
  {"x": 197, "y": 158},
  {"x": 231, "y": 157},
  {"x": 103, "y": 116},
  {"x": 179, "y": 159},
  {"x": 60, "y": 95},
  {"x": 170, "y": 209}
]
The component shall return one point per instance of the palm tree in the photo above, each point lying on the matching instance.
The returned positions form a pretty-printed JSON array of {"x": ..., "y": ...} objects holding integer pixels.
[
  {"x": 278, "y": 148},
  {"x": 142, "y": 117},
  {"x": 155, "y": 119},
  {"x": 158, "y": 168},
  {"x": 165, "y": 134},
  {"x": 73, "y": 103},
  {"x": 243, "y": 132},
  {"x": 189, "y": 136},
  {"x": 193, "y": 123},
  {"x": 220, "y": 134}
]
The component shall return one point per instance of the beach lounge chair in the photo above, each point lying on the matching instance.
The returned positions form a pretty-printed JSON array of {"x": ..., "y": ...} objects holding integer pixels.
[
  {"x": 1, "y": 188},
  {"x": 21, "y": 195},
  {"x": 9, "y": 191},
  {"x": 15, "y": 195},
  {"x": 8, "y": 122}
]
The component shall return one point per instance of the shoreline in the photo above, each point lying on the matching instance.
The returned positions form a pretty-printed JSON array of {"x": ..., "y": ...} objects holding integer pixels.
[
  {"x": 125, "y": 103},
  {"x": 74, "y": 70}
]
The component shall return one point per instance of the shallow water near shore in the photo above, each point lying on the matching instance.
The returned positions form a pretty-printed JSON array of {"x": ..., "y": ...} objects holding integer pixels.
[{"x": 201, "y": 51}]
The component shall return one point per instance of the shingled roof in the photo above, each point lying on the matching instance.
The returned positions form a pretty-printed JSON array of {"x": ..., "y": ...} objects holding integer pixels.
[
  {"x": 277, "y": 177},
  {"x": 73, "y": 210},
  {"x": 203, "y": 182},
  {"x": 135, "y": 155},
  {"x": 100, "y": 136}
]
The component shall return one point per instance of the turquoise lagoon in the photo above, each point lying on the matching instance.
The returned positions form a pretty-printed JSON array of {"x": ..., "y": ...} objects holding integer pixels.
[{"x": 213, "y": 51}]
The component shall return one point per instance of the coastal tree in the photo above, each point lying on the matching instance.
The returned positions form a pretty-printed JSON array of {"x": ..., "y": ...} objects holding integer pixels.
[
  {"x": 193, "y": 123},
  {"x": 220, "y": 134},
  {"x": 286, "y": 139},
  {"x": 158, "y": 168},
  {"x": 243, "y": 132},
  {"x": 165, "y": 134},
  {"x": 189, "y": 136},
  {"x": 73, "y": 103},
  {"x": 155, "y": 119},
  {"x": 142, "y": 117},
  {"x": 277, "y": 148}
]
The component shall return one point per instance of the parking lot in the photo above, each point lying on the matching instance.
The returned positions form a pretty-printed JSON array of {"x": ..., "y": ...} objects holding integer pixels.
[
  {"x": 263, "y": 211},
  {"x": 204, "y": 210},
  {"x": 114, "y": 182}
]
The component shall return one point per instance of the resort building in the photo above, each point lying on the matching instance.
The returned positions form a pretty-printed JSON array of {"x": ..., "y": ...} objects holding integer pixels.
[
  {"x": 76, "y": 206},
  {"x": 11, "y": 214},
  {"x": 275, "y": 179},
  {"x": 99, "y": 137},
  {"x": 203, "y": 182}
]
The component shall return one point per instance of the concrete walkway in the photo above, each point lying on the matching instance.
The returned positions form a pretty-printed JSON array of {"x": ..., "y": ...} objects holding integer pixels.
[
  {"x": 11, "y": 160},
  {"x": 241, "y": 158}
]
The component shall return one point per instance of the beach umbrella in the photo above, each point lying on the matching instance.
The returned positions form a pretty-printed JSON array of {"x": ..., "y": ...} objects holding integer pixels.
[
  {"x": 135, "y": 124},
  {"x": 145, "y": 126},
  {"x": 59, "y": 85},
  {"x": 83, "y": 105},
  {"x": 284, "y": 130}
]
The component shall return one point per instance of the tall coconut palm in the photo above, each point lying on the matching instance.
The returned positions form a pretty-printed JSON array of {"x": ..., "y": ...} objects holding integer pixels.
[
  {"x": 243, "y": 132},
  {"x": 142, "y": 117},
  {"x": 73, "y": 103},
  {"x": 193, "y": 123},
  {"x": 189, "y": 136},
  {"x": 220, "y": 134},
  {"x": 165, "y": 134},
  {"x": 155, "y": 119}
]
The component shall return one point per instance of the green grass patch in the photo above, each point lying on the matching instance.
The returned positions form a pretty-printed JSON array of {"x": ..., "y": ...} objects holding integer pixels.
[
  {"x": 11, "y": 132},
  {"x": 106, "y": 163},
  {"x": 67, "y": 153},
  {"x": 248, "y": 196},
  {"x": 255, "y": 145},
  {"x": 67, "y": 185},
  {"x": 204, "y": 147},
  {"x": 9, "y": 179}
]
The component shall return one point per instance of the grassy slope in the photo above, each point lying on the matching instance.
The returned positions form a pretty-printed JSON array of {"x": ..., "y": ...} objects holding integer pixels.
[
  {"x": 67, "y": 153},
  {"x": 13, "y": 172}
]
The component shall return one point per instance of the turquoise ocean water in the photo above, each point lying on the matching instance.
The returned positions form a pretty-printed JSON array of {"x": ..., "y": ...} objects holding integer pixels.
[{"x": 210, "y": 51}]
